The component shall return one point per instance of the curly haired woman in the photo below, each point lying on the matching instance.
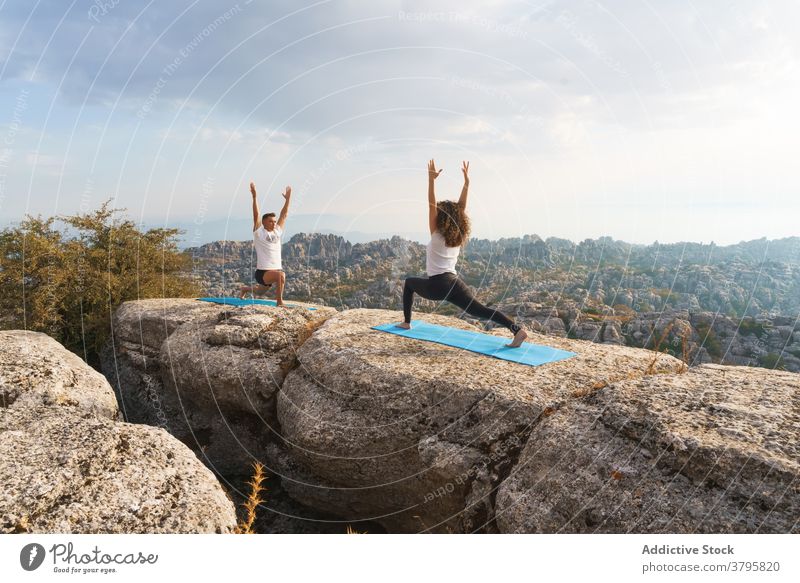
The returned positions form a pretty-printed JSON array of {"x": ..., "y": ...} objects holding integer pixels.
[{"x": 450, "y": 227}]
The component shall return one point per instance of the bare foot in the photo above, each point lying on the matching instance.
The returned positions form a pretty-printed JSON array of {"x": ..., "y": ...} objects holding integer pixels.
[
  {"x": 280, "y": 304},
  {"x": 519, "y": 337},
  {"x": 404, "y": 325},
  {"x": 242, "y": 293}
]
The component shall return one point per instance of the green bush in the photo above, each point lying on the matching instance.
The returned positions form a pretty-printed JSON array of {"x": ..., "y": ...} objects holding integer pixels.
[
  {"x": 751, "y": 327},
  {"x": 66, "y": 282},
  {"x": 709, "y": 340},
  {"x": 772, "y": 360}
]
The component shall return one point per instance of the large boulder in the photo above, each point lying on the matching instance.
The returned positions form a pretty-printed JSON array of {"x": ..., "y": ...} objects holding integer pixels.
[
  {"x": 35, "y": 370},
  {"x": 422, "y": 437},
  {"x": 130, "y": 358},
  {"x": 418, "y": 435},
  {"x": 67, "y": 464},
  {"x": 68, "y": 470},
  {"x": 714, "y": 450},
  {"x": 208, "y": 373}
]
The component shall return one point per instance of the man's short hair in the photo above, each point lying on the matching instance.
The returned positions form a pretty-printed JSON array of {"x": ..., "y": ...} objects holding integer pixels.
[{"x": 267, "y": 215}]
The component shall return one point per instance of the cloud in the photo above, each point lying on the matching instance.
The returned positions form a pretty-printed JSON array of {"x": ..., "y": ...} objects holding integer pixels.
[
  {"x": 581, "y": 95},
  {"x": 305, "y": 68}
]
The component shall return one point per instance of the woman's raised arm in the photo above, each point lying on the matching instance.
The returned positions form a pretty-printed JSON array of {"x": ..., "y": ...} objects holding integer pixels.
[
  {"x": 433, "y": 174},
  {"x": 462, "y": 201}
]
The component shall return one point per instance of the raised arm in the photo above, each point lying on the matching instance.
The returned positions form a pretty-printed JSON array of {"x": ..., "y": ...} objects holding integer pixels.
[
  {"x": 256, "y": 221},
  {"x": 462, "y": 201},
  {"x": 433, "y": 174},
  {"x": 285, "y": 210}
]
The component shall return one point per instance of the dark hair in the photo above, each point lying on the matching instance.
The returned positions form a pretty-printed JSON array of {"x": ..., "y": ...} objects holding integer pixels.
[
  {"x": 267, "y": 215},
  {"x": 452, "y": 222}
]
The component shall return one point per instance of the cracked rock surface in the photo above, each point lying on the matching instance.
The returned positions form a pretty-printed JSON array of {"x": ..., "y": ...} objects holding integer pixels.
[
  {"x": 207, "y": 373},
  {"x": 364, "y": 425},
  {"x": 709, "y": 451},
  {"x": 417, "y": 435},
  {"x": 35, "y": 370},
  {"x": 68, "y": 465},
  {"x": 69, "y": 471}
]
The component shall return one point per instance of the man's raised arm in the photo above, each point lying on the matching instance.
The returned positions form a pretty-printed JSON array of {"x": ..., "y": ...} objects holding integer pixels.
[
  {"x": 256, "y": 222},
  {"x": 285, "y": 210}
]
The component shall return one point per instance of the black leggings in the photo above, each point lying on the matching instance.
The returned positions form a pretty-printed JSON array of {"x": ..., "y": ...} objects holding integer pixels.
[{"x": 450, "y": 287}]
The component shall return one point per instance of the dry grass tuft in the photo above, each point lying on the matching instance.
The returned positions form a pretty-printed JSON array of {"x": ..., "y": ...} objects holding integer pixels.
[
  {"x": 651, "y": 369},
  {"x": 351, "y": 531},
  {"x": 684, "y": 352},
  {"x": 253, "y": 500}
]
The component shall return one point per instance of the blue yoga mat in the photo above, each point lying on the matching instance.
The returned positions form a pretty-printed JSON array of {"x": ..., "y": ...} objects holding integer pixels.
[
  {"x": 529, "y": 353},
  {"x": 238, "y": 302}
]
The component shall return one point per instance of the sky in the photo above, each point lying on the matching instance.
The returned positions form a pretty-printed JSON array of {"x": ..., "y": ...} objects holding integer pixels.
[{"x": 643, "y": 121}]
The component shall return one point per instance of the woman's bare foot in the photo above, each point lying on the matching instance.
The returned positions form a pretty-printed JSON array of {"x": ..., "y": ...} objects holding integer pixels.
[
  {"x": 519, "y": 337},
  {"x": 404, "y": 325},
  {"x": 279, "y": 304},
  {"x": 242, "y": 292}
]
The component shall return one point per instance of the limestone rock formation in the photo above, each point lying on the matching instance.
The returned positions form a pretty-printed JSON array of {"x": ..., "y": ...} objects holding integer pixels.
[
  {"x": 207, "y": 373},
  {"x": 713, "y": 450},
  {"x": 417, "y": 435},
  {"x": 68, "y": 465},
  {"x": 65, "y": 470},
  {"x": 36, "y": 370},
  {"x": 421, "y": 437}
]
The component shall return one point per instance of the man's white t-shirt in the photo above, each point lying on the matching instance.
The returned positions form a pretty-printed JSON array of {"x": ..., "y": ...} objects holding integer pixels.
[
  {"x": 439, "y": 257},
  {"x": 268, "y": 247}
]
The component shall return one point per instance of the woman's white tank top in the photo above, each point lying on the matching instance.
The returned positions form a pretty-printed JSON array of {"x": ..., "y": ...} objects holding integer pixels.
[{"x": 439, "y": 257}]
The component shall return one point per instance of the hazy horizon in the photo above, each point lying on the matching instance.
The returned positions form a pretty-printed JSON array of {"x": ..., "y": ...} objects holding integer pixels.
[
  {"x": 198, "y": 235},
  {"x": 195, "y": 235}
]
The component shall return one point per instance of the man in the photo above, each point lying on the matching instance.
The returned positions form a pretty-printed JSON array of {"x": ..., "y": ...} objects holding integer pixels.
[{"x": 267, "y": 234}]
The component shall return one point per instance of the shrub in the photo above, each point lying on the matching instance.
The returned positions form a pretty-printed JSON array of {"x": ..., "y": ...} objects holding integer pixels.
[
  {"x": 772, "y": 360},
  {"x": 749, "y": 326},
  {"x": 67, "y": 282},
  {"x": 709, "y": 340}
]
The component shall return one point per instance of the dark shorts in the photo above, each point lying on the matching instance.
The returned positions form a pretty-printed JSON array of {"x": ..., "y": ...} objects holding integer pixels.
[{"x": 259, "y": 276}]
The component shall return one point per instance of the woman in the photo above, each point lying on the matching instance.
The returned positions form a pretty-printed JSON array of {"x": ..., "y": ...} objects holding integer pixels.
[{"x": 450, "y": 226}]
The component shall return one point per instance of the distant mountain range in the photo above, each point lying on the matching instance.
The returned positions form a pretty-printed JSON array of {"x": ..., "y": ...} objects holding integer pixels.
[{"x": 196, "y": 233}]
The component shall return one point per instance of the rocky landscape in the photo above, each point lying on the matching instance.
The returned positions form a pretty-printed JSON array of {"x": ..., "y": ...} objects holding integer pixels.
[
  {"x": 69, "y": 464},
  {"x": 735, "y": 304},
  {"x": 678, "y": 413},
  {"x": 389, "y": 434}
]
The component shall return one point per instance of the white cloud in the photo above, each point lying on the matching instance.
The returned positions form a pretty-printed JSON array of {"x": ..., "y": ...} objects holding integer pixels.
[{"x": 681, "y": 99}]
